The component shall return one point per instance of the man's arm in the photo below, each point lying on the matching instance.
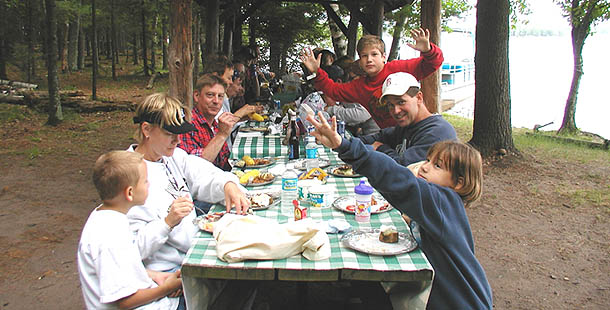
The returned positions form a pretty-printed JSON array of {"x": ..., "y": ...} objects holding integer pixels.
[
  {"x": 351, "y": 114},
  {"x": 194, "y": 144}
]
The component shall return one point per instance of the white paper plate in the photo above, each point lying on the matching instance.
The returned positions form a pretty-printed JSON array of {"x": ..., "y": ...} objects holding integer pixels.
[{"x": 367, "y": 241}]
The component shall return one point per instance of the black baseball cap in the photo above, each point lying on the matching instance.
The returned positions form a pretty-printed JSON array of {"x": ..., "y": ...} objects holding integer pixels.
[{"x": 155, "y": 118}]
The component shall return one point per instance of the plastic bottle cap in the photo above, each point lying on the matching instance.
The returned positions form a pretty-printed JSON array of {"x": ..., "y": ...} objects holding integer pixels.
[{"x": 363, "y": 189}]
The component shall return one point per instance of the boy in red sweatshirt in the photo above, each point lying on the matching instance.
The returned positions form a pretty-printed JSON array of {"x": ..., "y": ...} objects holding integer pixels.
[{"x": 367, "y": 90}]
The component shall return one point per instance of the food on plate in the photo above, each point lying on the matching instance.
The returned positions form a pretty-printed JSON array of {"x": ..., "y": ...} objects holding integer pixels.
[
  {"x": 260, "y": 200},
  {"x": 249, "y": 161},
  {"x": 314, "y": 173},
  {"x": 256, "y": 117},
  {"x": 345, "y": 170},
  {"x": 262, "y": 178},
  {"x": 243, "y": 179},
  {"x": 388, "y": 234}
]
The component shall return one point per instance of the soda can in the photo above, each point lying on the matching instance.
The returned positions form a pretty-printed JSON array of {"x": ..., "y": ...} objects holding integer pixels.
[{"x": 341, "y": 128}]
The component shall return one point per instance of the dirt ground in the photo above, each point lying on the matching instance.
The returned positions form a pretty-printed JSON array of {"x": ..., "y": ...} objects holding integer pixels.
[{"x": 541, "y": 248}]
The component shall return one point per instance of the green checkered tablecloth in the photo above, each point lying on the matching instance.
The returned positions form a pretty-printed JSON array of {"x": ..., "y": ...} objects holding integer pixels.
[{"x": 346, "y": 263}]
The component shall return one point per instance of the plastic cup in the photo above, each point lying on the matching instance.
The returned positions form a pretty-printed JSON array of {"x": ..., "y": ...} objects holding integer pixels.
[{"x": 363, "y": 202}]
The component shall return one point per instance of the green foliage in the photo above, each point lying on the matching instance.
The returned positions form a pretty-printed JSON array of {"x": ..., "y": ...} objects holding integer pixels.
[
  {"x": 586, "y": 13},
  {"x": 449, "y": 9},
  {"x": 286, "y": 24}
]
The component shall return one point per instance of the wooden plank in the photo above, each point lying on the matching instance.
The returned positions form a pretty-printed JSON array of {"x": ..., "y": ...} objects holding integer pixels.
[
  {"x": 307, "y": 275},
  {"x": 397, "y": 276},
  {"x": 228, "y": 273}
]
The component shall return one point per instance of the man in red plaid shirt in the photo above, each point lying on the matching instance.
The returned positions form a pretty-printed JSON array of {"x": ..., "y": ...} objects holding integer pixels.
[{"x": 210, "y": 139}]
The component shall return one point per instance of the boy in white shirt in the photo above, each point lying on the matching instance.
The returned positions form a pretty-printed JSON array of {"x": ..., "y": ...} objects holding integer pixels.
[{"x": 109, "y": 263}]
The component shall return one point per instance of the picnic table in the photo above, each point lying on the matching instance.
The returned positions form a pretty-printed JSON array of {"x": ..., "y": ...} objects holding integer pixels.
[{"x": 408, "y": 276}]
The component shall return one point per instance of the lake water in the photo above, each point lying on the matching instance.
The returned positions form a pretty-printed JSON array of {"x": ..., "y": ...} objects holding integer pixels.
[{"x": 541, "y": 73}]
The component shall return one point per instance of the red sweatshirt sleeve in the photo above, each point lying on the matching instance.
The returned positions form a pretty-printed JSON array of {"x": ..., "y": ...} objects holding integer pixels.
[{"x": 421, "y": 66}]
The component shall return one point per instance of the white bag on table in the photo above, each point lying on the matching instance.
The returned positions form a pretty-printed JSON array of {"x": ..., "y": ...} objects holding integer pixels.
[{"x": 240, "y": 238}]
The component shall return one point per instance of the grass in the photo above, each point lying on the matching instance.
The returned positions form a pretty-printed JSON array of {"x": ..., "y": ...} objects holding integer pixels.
[{"x": 536, "y": 144}]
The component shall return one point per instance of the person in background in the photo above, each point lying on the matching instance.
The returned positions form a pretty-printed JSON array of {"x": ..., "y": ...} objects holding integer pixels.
[
  {"x": 417, "y": 129},
  {"x": 357, "y": 119},
  {"x": 110, "y": 268},
  {"x": 449, "y": 179},
  {"x": 221, "y": 67},
  {"x": 248, "y": 56},
  {"x": 213, "y": 126},
  {"x": 367, "y": 90}
]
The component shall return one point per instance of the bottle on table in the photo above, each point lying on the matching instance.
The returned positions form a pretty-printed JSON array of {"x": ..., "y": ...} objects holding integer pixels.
[
  {"x": 311, "y": 153},
  {"x": 364, "y": 194},
  {"x": 293, "y": 139},
  {"x": 289, "y": 190}
]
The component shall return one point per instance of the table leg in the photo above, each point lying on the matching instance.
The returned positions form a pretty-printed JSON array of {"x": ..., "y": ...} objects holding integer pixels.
[{"x": 302, "y": 295}]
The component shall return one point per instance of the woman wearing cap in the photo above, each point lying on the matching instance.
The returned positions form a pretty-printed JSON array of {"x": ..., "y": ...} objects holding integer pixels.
[{"x": 164, "y": 224}]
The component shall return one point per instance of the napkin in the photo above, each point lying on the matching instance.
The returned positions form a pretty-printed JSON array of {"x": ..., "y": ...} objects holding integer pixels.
[{"x": 241, "y": 238}]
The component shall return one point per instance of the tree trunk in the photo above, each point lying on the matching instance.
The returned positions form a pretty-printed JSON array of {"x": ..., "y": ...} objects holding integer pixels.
[
  {"x": 431, "y": 85},
  {"x": 579, "y": 35},
  {"x": 211, "y": 28},
  {"x": 95, "y": 51},
  {"x": 180, "y": 61},
  {"x": 155, "y": 42},
  {"x": 377, "y": 17},
  {"x": 397, "y": 34},
  {"x": 275, "y": 51},
  {"x": 144, "y": 39},
  {"x": 113, "y": 40},
  {"x": 29, "y": 28},
  {"x": 164, "y": 42},
  {"x": 73, "y": 44},
  {"x": 54, "y": 110},
  {"x": 227, "y": 41},
  {"x": 81, "y": 44},
  {"x": 492, "y": 124},
  {"x": 135, "y": 48},
  {"x": 63, "y": 50},
  {"x": 339, "y": 40},
  {"x": 352, "y": 33},
  {"x": 196, "y": 47}
]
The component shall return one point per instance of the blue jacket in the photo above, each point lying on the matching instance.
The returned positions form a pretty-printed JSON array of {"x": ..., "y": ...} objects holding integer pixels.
[
  {"x": 410, "y": 144},
  {"x": 446, "y": 239}
]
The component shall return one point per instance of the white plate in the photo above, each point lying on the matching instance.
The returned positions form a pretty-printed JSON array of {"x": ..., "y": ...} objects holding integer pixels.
[
  {"x": 275, "y": 196},
  {"x": 300, "y": 163},
  {"x": 367, "y": 241},
  {"x": 234, "y": 161},
  {"x": 348, "y": 204},
  {"x": 331, "y": 171}
]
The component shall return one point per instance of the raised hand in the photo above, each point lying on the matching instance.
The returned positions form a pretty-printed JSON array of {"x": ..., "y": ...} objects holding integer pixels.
[
  {"x": 226, "y": 121},
  {"x": 422, "y": 40},
  {"x": 311, "y": 63},
  {"x": 325, "y": 133}
]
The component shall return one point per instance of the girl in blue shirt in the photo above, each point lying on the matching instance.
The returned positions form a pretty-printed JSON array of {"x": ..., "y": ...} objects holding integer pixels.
[{"x": 435, "y": 198}]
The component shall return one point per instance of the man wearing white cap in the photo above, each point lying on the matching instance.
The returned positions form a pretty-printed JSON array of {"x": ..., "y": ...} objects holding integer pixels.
[{"x": 417, "y": 129}]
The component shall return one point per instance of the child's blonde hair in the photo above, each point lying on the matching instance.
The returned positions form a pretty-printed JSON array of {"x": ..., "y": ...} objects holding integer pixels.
[
  {"x": 159, "y": 109},
  {"x": 114, "y": 171},
  {"x": 464, "y": 162},
  {"x": 370, "y": 40}
]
